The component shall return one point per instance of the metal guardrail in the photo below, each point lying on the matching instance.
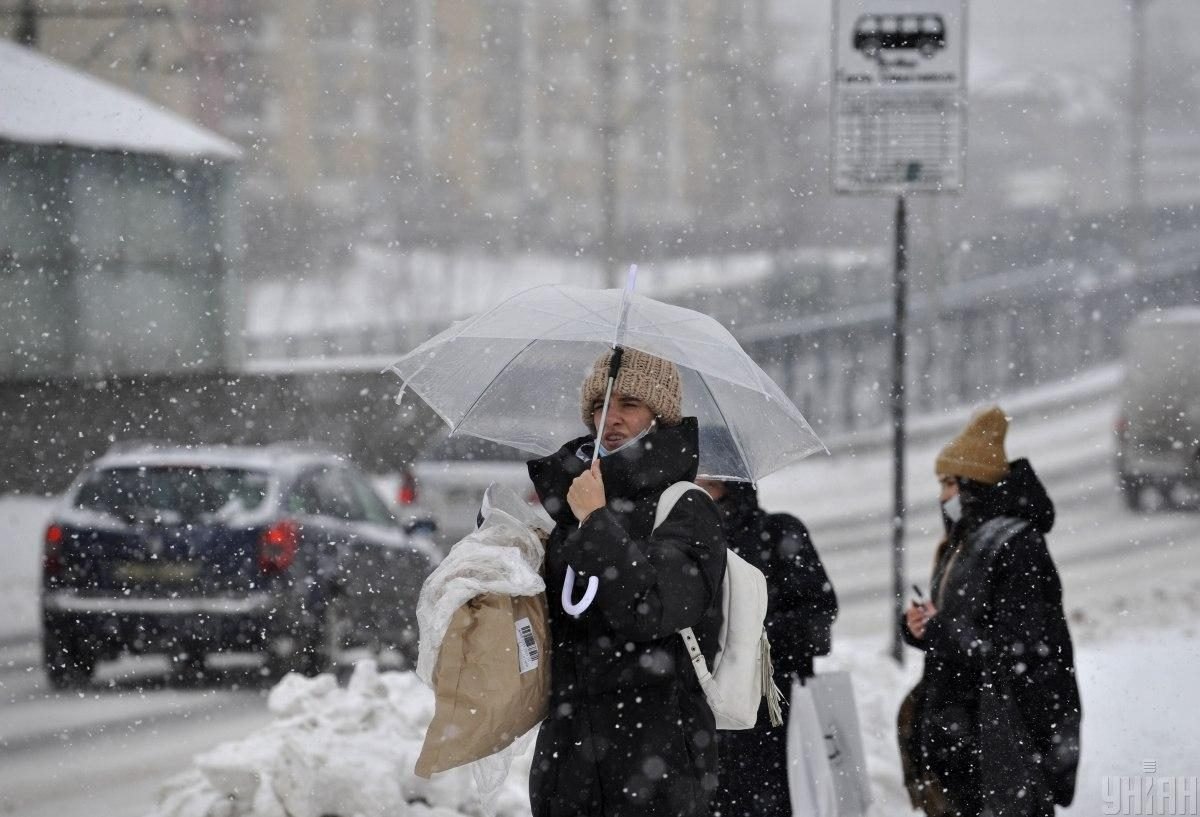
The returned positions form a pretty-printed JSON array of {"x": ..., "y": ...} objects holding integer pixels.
[{"x": 969, "y": 342}]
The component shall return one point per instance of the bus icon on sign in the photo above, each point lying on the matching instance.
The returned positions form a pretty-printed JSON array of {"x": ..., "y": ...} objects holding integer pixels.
[{"x": 876, "y": 33}]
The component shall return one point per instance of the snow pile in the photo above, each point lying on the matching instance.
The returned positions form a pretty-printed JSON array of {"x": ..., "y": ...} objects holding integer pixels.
[{"x": 343, "y": 751}]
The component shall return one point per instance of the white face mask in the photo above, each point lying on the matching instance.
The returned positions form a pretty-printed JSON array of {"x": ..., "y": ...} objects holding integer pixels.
[
  {"x": 952, "y": 508},
  {"x": 604, "y": 452}
]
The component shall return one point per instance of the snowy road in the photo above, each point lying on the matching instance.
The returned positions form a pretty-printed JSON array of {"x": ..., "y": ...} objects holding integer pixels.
[{"x": 106, "y": 751}]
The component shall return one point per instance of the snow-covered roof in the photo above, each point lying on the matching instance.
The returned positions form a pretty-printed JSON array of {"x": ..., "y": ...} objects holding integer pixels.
[{"x": 49, "y": 103}]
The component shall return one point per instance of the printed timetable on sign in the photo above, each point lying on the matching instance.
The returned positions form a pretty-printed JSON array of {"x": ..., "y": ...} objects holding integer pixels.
[{"x": 899, "y": 96}]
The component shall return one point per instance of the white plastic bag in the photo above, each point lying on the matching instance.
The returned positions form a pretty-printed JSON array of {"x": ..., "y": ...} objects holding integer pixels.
[
  {"x": 488, "y": 575},
  {"x": 503, "y": 555}
]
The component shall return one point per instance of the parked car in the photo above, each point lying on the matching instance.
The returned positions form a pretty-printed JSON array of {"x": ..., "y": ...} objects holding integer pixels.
[
  {"x": 281, "y": 550},
  {"x": 1158, "y": 427},
  {"x": 449, "y": 477}
]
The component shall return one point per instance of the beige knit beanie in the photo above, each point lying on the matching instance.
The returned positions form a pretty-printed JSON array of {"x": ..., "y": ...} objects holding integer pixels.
[
  {"x": 977, "y": 453},
  {"x": 651, "y": 379}
]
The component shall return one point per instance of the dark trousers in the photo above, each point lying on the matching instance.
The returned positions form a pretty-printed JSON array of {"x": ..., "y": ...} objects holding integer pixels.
[{"x": 753, "y": 778}]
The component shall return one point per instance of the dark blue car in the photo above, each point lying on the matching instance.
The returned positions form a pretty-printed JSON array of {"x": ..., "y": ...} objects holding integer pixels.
[{"x": 186, "y": 551}]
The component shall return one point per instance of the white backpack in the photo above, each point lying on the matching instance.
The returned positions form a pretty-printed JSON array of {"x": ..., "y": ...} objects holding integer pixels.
[{"x": 741, "y": 672}]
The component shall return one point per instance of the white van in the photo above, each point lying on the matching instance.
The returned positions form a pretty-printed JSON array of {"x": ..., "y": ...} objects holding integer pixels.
[
  {"x": 449, "y": 478},
  {"x": 1158, "y": 428}
]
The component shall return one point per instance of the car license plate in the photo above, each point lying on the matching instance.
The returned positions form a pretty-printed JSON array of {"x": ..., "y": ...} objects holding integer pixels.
[
  {"x": 166, "y": 572},
  {"x": 462, "y": 496}
]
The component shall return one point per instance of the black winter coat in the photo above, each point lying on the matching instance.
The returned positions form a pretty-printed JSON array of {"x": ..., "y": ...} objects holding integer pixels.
[
  {"x": 801, "y": 607},
  {"x": 629, "y": 730},
  {"x": 995, "y": 719}
]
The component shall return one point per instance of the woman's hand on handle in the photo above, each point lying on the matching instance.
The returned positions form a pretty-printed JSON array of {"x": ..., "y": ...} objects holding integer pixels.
[{"x": 586, "y": 494}]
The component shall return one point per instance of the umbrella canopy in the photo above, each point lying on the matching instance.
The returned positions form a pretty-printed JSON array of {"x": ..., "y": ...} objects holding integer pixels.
[{"x": 513, "y": 374}]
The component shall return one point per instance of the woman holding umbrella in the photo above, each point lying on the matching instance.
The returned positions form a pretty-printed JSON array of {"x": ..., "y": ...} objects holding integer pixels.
[{"x": 629, "y": 730}]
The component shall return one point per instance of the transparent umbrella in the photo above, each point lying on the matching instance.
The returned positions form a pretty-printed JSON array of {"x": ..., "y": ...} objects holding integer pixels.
[{"x": 512, "y": 374}]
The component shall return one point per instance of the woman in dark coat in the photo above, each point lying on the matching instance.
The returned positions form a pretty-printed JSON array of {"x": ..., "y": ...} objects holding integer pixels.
[
  {"x": 801, "y": 607},
  {"x": 994, "y": 722},
  {"x": 629, "y": 730}
]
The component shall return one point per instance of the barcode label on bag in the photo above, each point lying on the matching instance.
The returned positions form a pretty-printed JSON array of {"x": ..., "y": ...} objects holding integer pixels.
[{"x": 527, "y": 648}]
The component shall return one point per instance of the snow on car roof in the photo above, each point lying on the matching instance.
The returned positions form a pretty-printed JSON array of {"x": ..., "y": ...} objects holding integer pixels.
[
  {"x": 49, "y": 103},
  {"x": 213, "y": 456}
]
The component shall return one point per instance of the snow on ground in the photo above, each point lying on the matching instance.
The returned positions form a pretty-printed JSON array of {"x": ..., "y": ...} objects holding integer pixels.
[{"x": 350, "y": 751}]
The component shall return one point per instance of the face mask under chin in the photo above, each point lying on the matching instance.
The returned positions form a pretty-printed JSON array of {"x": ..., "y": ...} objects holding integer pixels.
[{"x": 604, "y": 452}]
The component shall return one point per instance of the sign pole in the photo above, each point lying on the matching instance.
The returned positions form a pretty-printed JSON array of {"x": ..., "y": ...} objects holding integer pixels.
[
  {"x": 898, "y": 126},
  {"x": 899, "y": 352}
]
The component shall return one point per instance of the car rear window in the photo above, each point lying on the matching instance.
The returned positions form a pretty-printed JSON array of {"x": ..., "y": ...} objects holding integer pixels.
[
  {"x": 472, "y": 448},
  {"x": 173, "y": 494}
]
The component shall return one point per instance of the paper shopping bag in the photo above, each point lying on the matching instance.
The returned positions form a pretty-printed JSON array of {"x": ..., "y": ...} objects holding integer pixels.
[
  {"x": 833, "y": 695},
  {"x": 491, "y": 680},
  {"x": 810, "y": 779}
]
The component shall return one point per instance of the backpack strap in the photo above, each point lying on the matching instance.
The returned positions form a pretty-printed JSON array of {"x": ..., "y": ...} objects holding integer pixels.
[
  {"x": 1000, "y": 529},
  {"x": 668, "y": 499},
  {"x": 693, "y": 648},
  {"x": 666, "y": 503}
]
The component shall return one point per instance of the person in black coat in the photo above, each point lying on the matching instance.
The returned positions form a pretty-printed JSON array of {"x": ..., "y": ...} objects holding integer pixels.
[
  {"x": 994, "y": 722},
  {"x": 801, "y": 608},
  {"x": 629, "y": 731}
]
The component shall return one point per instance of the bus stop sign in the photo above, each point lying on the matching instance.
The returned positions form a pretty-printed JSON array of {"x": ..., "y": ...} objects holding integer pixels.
[{"x": 899, "y": 95}]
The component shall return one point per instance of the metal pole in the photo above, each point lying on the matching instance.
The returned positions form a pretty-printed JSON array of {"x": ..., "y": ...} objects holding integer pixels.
[
  {"x": 26, "y": 32},
  {"x": 606, "y": 38},
  {"x": 1137, "y": 132},
  {"x": 898, "y": 354}
]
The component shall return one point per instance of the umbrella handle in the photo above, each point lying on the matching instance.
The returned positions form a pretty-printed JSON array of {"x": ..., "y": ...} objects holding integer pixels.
[{"x": 568, "y": 590}]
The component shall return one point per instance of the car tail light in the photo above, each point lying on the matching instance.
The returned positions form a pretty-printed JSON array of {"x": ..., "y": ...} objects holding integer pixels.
[
  {"x": 277, "y": 546},
  {"x": 407, "y": 495},
  {"x": 1121, "y": 426},
  {"x": 52, "y": 562}
]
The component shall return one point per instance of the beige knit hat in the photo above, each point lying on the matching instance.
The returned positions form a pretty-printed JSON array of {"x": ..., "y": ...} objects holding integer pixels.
[
  {"x": 651, "y": 379},
  {"x": 977, "y": 453}
]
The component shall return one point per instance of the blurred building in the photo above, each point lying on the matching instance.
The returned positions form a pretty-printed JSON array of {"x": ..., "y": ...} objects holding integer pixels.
[
  {"x": 450, "y": 122},
  {"x": 482, "y": 123},
  {"x": 114, "y": 229}
]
